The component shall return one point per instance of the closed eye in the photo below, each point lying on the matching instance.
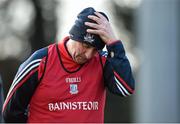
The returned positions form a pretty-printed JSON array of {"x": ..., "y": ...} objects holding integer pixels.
[{"x": 85, "y": 45}]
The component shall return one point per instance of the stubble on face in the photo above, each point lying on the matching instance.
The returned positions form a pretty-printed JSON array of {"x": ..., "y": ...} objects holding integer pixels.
[
  {"x": 80, "y": 52},
  {"x": 79, "y": 58}
]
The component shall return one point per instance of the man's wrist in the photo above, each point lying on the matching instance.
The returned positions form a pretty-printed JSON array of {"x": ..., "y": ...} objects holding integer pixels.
[
  {"x": 111, "y": 42},
  {"x": 116, "y": 49}
]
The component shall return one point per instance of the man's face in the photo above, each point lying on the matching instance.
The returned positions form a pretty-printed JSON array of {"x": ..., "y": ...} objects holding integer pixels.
[{"x": 83, "y": 52}]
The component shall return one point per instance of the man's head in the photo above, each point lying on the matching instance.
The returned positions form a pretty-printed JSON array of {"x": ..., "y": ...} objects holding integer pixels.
[
  {"x": 80, "y": 52},
  {"x": 78, "y": 30}
]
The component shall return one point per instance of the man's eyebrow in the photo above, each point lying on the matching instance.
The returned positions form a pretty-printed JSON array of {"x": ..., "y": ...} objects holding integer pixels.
[{"x": 85, "y": 44}]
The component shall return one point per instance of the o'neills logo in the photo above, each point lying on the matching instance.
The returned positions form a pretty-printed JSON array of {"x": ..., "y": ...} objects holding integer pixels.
[
  {"x": 73, "y": 106},
  {"x": 73, "y": 80},
  {"x": 73, "y": 84}
]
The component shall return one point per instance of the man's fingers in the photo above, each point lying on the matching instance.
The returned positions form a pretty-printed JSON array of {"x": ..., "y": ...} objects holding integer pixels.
[
  {"x": 98, "y": 19},
  {"x": 100, "y": 15},
  {"x": 95, "y": 18},
  {"x": 93, "y": 31},
  {"x": 92, "y": 25}
]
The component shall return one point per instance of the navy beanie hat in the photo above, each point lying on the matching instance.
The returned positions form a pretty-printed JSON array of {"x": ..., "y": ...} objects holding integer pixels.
[{"x": 78, "y": 30}]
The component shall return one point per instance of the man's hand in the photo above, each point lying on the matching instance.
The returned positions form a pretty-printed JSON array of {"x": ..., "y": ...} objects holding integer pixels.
[{"x": 102, "y": 28}]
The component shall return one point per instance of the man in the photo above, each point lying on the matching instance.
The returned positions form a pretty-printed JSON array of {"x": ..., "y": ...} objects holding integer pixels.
[{"x": 66, "y": 82}]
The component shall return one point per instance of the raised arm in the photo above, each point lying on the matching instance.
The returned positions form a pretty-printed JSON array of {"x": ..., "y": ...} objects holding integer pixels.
[{"x": 117, "y": 70}]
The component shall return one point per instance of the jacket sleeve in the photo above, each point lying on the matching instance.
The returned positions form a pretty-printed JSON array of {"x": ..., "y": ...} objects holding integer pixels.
[
  {"x": 15, "y": 107},
  {"x": 117, "y": 70}
]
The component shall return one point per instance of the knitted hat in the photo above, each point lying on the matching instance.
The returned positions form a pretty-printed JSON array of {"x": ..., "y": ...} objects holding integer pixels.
[{"x": 78, "y": 30}]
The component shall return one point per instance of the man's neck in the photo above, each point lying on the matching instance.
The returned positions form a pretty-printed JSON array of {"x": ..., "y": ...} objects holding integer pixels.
[{"x": 68, "y": 47}]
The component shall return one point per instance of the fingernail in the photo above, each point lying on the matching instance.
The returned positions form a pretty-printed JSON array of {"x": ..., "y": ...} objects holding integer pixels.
[{"x": 89, "y": 16}]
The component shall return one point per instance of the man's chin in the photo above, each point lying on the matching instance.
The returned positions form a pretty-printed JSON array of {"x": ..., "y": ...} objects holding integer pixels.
[{"x": 81, "y": 61}]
